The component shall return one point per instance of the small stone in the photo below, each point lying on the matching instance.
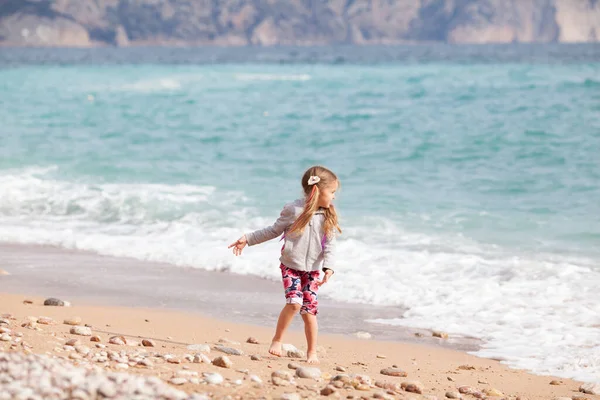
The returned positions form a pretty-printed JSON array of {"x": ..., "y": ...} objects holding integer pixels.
[
  {"x": 229, "y": 350},
  {"x": 5, "y": 337},
  {"x": 412, "y": 386},
  {"x": 308, "y": 372},
  {"x": 222, "y": 361},
  {"x": 54, "y": 302},
  {"x": 178, "y": 381},
  {"x": 121, "y": 366},
  {"x": 72, "y": 321},
  {"x": 590, "y": 388},
  {"x": 255, "y": 357},
  {"x": 555, "y": 382},
  {"x": 453, "y": 395},
  {"x": 381, "y": 356},
  {"x": 466, "y": 367},
  {"x": 95, "y": 338},
  {"x": 202, "y": 348},
  {"x": 213, "y": 378},
  {"x": 394, "y": 372},
  {"x": 45, "y": 321},
  {"x": 383, "y": 396},
  {"x": 281, "y": 378},
  {"x": 363, "y": 387},
  {"x": 340, "y": 369},
  {"x": 450, "y": 378},
  {"x": 118, "y": 340},
  {"x": 81, "y": 330},
  {"x": 173, "y": 360},
  {"x": 252, "y": 340},
  {"x": 467, "y": 390},
  {"x": 72, "y": 342},
  {"x": 292, "y": 351},
  {"x": 201, "y": 358},
  {"x": 363, "y": 335},
  {"x": 145, "y": 363},
  {"x": 75, "y": 356},
  {"x": 294, "y": 365},
  {"x": 328, "y": 390},
  {"x": 228, "y": 341},
  {"x": 83, "y": 350},
  {"x": 30, "y": 325},
  {"x": 255, "y": 379},
  {"x": 290, "y": 396},
  {"x": 493, "y": 392},
  {"x": 4, "y": 330},
  {"x": 439, "y": 334},
  {"x": 148, "y": 343}
]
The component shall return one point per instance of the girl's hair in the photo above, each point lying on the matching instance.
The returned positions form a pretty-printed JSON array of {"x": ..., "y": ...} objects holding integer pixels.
[{"x": 312, "y": 193}]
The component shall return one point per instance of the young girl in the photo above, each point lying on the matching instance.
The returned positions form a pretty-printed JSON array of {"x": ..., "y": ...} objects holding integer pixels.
[{"x": 309, "y": 228}]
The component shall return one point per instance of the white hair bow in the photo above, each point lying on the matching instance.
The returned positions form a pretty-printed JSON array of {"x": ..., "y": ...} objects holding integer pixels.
[{"x": 313, "y": 179}]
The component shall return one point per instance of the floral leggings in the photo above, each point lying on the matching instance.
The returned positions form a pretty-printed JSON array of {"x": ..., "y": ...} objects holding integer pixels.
[{"x": 301, "y": 288}]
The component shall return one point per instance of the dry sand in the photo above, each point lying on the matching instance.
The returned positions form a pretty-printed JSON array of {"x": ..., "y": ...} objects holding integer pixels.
[{"x": 438, "y": 369}]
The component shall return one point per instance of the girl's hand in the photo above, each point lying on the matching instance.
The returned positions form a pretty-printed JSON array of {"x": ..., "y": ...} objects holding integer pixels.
[
  {"x": 239, "y": 245},
  {"x": 328, "y": 274}
]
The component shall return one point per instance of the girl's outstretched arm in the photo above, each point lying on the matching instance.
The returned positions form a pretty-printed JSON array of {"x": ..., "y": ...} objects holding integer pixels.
[{"x": 285, "y": 220}]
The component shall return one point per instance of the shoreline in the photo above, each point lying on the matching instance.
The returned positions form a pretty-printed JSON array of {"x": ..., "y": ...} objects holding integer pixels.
[
  {"x": 91, "y": 278},
  {"x": 437, "y": 369}
]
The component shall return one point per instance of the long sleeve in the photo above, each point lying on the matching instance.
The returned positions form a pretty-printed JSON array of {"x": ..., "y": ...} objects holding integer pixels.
[
  {"x": 285, "y": 220},
  {"x": 329, "y": 253}
]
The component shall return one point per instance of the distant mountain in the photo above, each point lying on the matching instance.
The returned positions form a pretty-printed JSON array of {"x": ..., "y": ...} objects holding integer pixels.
[{"x": 294, "y": 22}]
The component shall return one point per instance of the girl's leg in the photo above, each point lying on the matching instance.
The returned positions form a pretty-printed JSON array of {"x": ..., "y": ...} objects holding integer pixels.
[
  {"x": 311, "y": 329},
  {"x": 309, "y": 313},
  {"x": 293, "y": 299},
  {"x": 285, "y": 318}
]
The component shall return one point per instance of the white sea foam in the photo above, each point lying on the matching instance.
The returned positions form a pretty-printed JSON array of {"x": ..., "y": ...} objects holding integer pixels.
[{"x": 539, "y": 312}]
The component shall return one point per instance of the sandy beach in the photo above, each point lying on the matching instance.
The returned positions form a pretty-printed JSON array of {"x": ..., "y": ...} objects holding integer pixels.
[{"x": 437, "y": 368}]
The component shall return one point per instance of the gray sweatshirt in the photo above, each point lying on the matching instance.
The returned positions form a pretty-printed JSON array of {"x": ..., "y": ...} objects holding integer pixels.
[{"x": 302, "y": 252}]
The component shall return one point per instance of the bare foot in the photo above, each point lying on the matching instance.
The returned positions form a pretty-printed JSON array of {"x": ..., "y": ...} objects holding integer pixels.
[
  {"x": 311, "y": 358},
  {"x": 275, "y": 348}
]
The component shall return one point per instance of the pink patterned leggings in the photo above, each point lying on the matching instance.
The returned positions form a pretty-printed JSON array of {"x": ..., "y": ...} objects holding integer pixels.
[{"x": 301, "y": 288}]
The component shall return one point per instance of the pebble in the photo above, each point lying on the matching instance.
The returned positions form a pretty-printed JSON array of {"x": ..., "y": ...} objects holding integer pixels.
[
  {"x": 294, "y": 365},
  {"x": 201, "y": 358},
  {"x": 213, "y": 378},
  {"x": 222, "y": 361},
  {"x": 590, "y": 388},
  {"x": 228, "y": 341},
  {"x": 555, "y": 382},
  {"x": 95, "y": 338},
  {"x": 393, "y": 372},
  {"x": 229, "y": 350},
  {"x": 118, "y": 340},
  {"x": 252, "y": 340},
  {"x": 81, "y": 330},
  {"x": 148, "y": 343},
  {"x": 72, "y": 321},
  {"x": 4, "y": 330},
  {"x": 54, "y": 302},
  {"x": 340, "y": 369},
  {"x": 178, "y": 381},
  {"x": 453, "y": 395},
  {"x": 308, "y": 372},
  {"x": 292, "y": 351},
  {"x": 493, "y": 392},
  {"x": 255, "y": 357},
  {"x": 202, "y": 348},
  {"x": 412, "y": 386},
  {"x": 45, "y": 321},
  {"x": 290, "y": 396},
  {"x": 381, "y": 356},
  {"x": 72, "y": 342},
  {"x": 281, "y": 378},
  {"x": 39, "y": 377},
  {"x": 26, "y": 301},
  {"x": 442, "y": 335},
  {"x": 328, "y": 390},
  {"x": 5, "y": 337},
  {"x": 255, "y": 379}
]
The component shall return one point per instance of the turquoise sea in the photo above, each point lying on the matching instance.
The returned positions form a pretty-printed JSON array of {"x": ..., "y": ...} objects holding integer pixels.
[{"x": 470, "y": 178}]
